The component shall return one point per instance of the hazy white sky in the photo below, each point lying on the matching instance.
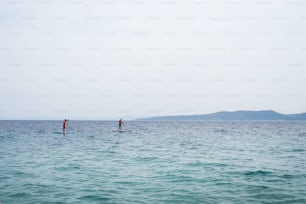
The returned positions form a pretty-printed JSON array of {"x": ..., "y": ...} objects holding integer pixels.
[{"x": 104, "y": 59}]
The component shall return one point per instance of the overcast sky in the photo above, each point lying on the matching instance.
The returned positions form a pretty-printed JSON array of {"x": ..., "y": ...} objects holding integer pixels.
[{"x": 104, "y": 59}]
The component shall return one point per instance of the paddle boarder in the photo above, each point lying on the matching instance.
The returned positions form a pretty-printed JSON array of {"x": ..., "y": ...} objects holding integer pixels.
[
  {"x": 120, "y": 123},
  {"x": 65, "y": 125}
]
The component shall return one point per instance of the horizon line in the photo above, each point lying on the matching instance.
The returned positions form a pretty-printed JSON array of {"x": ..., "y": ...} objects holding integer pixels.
[{"x": 135, "y": 118}]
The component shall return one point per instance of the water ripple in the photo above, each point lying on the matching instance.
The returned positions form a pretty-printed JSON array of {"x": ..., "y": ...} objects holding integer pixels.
[{"x": 156, "y": 162}]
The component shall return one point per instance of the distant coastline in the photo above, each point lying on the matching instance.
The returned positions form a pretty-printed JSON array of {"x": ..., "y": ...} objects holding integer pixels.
[{"x": 233, "y": 116}]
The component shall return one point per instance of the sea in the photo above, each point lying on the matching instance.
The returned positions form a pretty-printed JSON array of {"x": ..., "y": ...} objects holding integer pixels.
[{"x": 153, "y": 162}]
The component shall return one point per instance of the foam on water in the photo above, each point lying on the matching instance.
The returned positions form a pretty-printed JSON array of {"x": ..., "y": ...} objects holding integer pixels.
[{"x": 156, "y": 162}]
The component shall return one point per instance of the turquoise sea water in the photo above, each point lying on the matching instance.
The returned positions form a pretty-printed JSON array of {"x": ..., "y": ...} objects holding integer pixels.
[{"x": 154, "y": 162}]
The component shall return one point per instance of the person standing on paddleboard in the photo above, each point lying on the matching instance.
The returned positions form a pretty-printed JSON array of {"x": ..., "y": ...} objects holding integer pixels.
[
  {"x": 65, "y": 125},
  {"x": 120, "y": 124}
]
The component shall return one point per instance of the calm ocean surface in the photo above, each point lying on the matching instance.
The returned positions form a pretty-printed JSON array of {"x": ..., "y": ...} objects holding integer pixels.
[{"x": 154, "y": 162}]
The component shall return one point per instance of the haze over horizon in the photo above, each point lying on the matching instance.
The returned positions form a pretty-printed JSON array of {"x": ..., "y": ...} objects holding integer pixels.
[{"x": 112, "y": 59}]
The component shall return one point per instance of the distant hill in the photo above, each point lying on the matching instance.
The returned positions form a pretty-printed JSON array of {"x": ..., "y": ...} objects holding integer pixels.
[{"x": 235, "y": 115}]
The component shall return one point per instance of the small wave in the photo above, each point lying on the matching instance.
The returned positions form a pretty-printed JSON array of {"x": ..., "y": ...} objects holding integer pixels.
[
  {"x": 221, "y": 130},
  {"x": 302, "y": 134},
  {"x": 58, "y": 133},
  {"x": 20, "y": 195},
  {"x": 94, "y": 198},
  {"x": 273, "y": 197},
  {"x": 196, "y": 164},
  {"x": 298, "y": 150},
  {"x": 288, "y": 176},
  {"x": 146, "y": 159},
  {"x": 259, "y": 172},
  {"x": 217, "y": 164}
]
